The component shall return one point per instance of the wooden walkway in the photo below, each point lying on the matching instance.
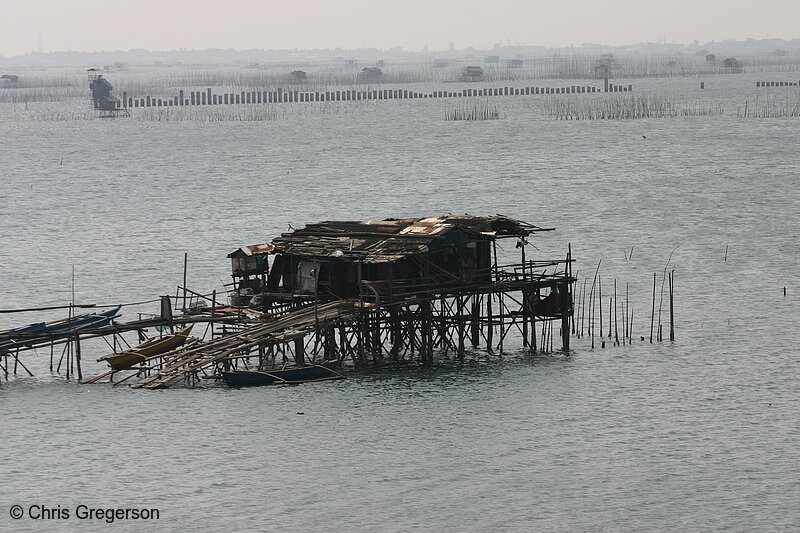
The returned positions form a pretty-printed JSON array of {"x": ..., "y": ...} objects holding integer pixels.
[{"x": 189, "y": 360}]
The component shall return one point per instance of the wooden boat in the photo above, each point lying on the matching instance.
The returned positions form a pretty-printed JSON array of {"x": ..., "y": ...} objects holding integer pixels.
[
  {"x": 324, "y": 371},
  {"x": 15, "y": 336},
  {"x": 58, "y": 329},
  {"x": 82, "y": 322},
  {"x": 139, "y": 353}
]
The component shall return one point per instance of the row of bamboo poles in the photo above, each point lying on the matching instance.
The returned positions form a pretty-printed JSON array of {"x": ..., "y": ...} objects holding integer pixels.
[
  {"x": 627, "y": 107},
  {"x": 588, "y": 316},
  {"x": 207, "y": 97}
]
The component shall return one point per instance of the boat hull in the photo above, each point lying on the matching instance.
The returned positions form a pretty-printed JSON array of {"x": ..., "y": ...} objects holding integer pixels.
[
  {"x": 56, "y": 330},
  {"x": 140, "y": 353},
  {"x": 244, "y": 378}
]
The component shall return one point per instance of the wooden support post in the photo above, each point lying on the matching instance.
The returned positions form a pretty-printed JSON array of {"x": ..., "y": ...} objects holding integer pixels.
[
  {"x": 213, "y": 312},
  {"x": 525, "y": 317},
  {"x": 653, "y": 314},
  {"x": 344, "y": 346},
  {"x": 461, "y": 325},
  {"x": 568, "y": 272},
  {"x": 78, "y": 356},
  {"x": 626, "y": 314},
  {"x": 616, "y": 317},
  {"x": 533, "y": 318},
  {"x": 361, "y": 314},
  {"x": 502, "y": 309},
  {"x": 441, "y": 324},
  {"x": 262, "y": 362},
  {"x": 475, "y": 321},
  {"x": 591, "y": 312},
  {"x": 185, "y": 264},
  {"x": 671, "y": 314},
  {"x": 67, "y": 363},
  {"x": 426, "y": 334},
  {"x": 377, "y": 344},
  {"x": 394, "y": 320},
  {"x": 600, "y": 301},
  {"x": 299, "y": 351},
  {"x": 525, "y": 293},
  {"x": 489, "y": 323},
  {"x": 329, "y": 344},
  {"x": 566, "y": 311}
]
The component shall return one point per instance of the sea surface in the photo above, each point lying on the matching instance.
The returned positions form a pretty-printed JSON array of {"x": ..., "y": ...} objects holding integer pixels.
[{"x": 700, "y": 434}]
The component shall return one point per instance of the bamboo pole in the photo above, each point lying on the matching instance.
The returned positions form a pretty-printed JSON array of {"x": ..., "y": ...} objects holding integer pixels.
[
  {"x": 671, "y": 312},
  {"x": 616, "y": 318},
  {"x": 534, "y": 345},
  {"x": 653, "y": 314},
  {"x": 600, "y": 301},
  {"x": 630, "y": 328},
  {"x": 185, "y": 265},
  {"x": 625, "y": 312},
  {"x": 583, "y": 306},
  {"x": 78, "y": 356}
]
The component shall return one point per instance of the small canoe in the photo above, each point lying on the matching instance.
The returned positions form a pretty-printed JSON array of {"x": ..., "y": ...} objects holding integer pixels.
[
  {"x": 82, "y": 322},
  {"x": 139, "y": 353},
  {"x": 305, "y": 374},
  {"x": 55, "y": 330},
  {"x": 12, "y": 337}
]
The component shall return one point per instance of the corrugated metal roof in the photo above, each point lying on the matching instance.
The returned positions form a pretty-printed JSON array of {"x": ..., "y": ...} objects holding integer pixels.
[
  {"x": 256, "y": 249},
  {"x": 375, "y": 241}
]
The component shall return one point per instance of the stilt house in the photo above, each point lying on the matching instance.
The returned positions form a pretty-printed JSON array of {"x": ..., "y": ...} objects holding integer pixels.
[{"x": 390, "y": 256}]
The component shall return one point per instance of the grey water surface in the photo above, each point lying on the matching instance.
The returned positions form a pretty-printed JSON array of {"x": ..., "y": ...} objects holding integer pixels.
[{"x": 696, "y": 435}]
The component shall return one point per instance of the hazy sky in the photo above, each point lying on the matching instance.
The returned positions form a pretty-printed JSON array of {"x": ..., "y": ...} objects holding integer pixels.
[{"x": 89, "y": 25}]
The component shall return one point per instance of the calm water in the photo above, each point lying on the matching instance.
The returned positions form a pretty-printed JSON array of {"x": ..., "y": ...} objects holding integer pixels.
[{"x": 697, "y": 435}]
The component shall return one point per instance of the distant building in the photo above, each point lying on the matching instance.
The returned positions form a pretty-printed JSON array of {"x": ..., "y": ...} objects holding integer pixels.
[
  {"x": 731, "y": 65},
  {"x": 101, "y": 91},
  {"x": 711, "y": 58},
  {"x": 601, "y": 69},
  {"x": 472, "y": 73},
  {"x": 370, "y": 74},
  {"x": 298, "y": 75},
  {"x": 10, "y": 80},
  {"x": 440, "y": 63},
  {"x": 515, "y": 63},
  {"x": 492, "y": 59}
]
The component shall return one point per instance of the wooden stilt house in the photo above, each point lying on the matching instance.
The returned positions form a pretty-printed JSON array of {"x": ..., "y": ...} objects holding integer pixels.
[{"x": 394, "y": 256}]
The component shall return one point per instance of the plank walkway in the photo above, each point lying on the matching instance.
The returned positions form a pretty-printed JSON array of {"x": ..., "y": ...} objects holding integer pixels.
[{"x": 202, "y": 355}]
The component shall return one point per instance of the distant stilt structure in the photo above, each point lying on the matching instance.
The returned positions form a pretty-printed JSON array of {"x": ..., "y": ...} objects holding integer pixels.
[{"x": 108, "y": 106}]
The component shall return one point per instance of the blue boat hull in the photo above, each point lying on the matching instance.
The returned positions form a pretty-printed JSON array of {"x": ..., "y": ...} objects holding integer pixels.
[
  {"x": 15, "y": 337},
  {"x": 30, "y": 329},
  {"x": 322, "y": 371}
]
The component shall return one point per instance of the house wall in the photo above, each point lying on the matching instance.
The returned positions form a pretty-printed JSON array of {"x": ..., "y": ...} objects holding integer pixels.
[{"x": 457, "y": 257}]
